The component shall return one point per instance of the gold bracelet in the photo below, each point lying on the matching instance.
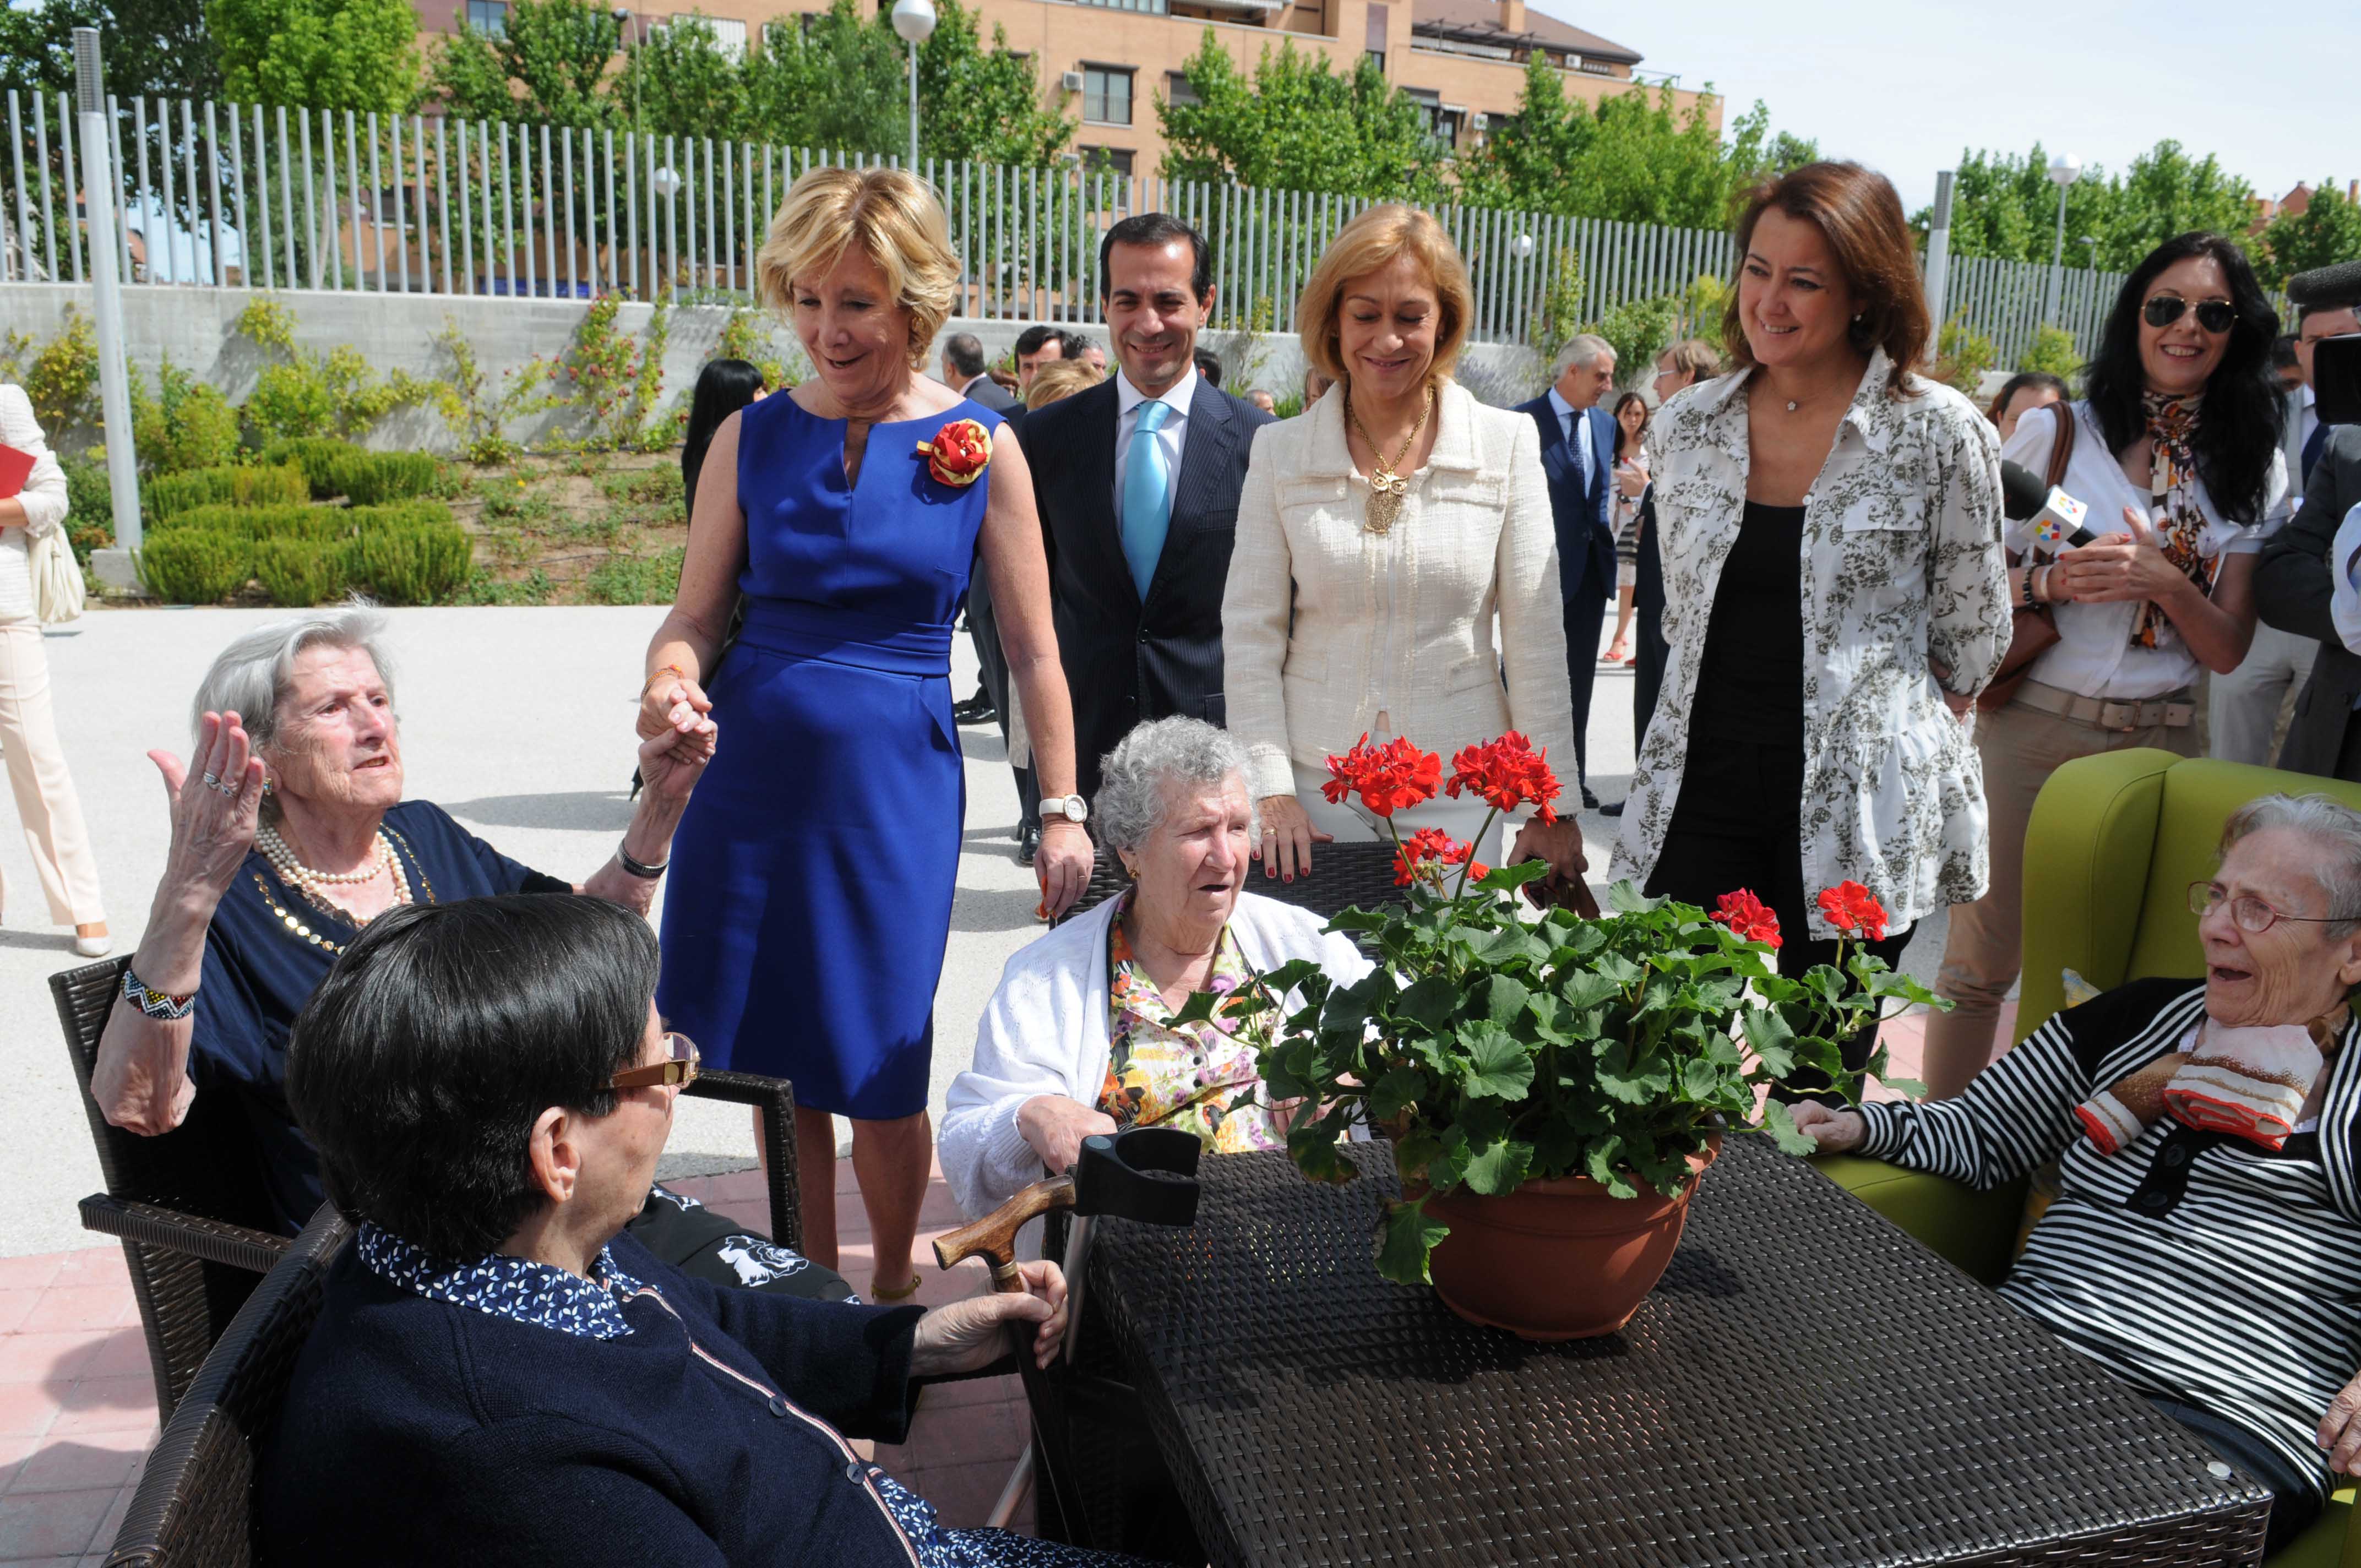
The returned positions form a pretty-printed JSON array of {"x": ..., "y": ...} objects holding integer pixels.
[{"x": 659, "y": 671}]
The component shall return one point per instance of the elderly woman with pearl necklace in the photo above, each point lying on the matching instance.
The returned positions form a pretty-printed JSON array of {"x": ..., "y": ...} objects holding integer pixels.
[{"x": 290, "y": 835}]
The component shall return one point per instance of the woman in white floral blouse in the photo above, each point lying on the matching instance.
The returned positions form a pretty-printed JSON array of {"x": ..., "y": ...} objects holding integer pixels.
[{"x": 1830, "y": 529}]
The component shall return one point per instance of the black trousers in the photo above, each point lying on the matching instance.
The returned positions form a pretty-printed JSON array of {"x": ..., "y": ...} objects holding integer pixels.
[
  {"x": 1737, "y": 826},
  {"x": 718, "y": 1250},
  {"x": 2293, "y": 1504},
  {"x": 1585, "y": 616},
  {"x": 1647, "y": 670}
]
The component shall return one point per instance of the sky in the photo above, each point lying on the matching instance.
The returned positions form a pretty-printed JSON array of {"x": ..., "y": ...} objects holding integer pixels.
[{"x": 1903, "y": 86}]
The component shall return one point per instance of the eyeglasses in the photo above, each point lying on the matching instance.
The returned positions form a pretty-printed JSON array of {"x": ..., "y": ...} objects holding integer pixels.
[
  {"x": 679, "y": 1067},
  {"x": 2213, "y": 315},
  {"x": 2253, "y": 915}
]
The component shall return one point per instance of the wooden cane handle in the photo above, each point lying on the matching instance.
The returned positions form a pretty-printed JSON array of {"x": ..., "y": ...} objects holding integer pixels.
[{"x": 993, "y": 1237}]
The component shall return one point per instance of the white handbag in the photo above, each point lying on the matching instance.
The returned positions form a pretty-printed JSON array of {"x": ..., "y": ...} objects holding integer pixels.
[{"x": 58, "y": 592}]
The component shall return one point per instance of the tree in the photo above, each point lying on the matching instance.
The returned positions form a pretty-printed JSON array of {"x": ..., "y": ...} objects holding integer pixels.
[
  {"x": 974, "y": 104},
  {"x": 556, "y": 51},
  {"x": 360, "y": 55},
  {"x": 829, "y": 79},
  {"x": 1634, "y": 159},
  {"x": 2323, "y": 233},
  {"x": 2005, "y": 206},
  {"x": 153, "y": 48},
  {"x": 1299, "y": 125},
  {"x": 2166, "y": 192}
]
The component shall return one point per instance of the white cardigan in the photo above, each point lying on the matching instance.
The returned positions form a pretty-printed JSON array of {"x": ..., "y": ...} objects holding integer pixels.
[
  {"x": 1329, "y": 630},
  {"x": 1045, "y": 1032},
  {"x": 44, "y": 496}
]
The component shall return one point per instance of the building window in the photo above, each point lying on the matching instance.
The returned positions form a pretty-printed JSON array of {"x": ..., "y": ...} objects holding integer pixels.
[
  {"x": 1107, "y": 160},
  {"x": 1106, "y": 94},
  {"x": 728, "y": 36},
  {"x": 1177, "y": 89},
  {"x": 490, "y": 18}
]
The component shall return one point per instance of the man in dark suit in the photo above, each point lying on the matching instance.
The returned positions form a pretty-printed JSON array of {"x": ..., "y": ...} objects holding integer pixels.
[
  {"x": 963, "y": 372},
  {"x": 2292, "y": 584},
  {"x": 1137, "y": 482},
  {"x": 1578, "y": 455}
]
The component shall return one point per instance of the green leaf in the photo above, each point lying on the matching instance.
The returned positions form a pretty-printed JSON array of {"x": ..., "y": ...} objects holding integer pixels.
[
  {"x": 1587, "y": 989},
  {"x": 1361, "y": 920},
  {"x": 1700, "y": 1080},
  {"x": 1780, "y": 1123},
  {"x": 1199, "y": 1009},
  {"x": 1501, "y": 878},
  {"x": 1910, "y": 1086},
  {"x": 1313, "y": 1146},
  {"x": 1601, "y": 1164},
  {"x": 1405, "y": 1237},
  {"x": 1625, "y": 898},
  {"x": 1498, "y": 1067},
  {"x": 1505, "y": 998},
  {"x": 1499, "y": 1168},
  {"x": 1773, "y": 1041},
  {"x": 1429, "y": 1003},
  {"x": 1398, "y": 1088},
  {"x": 1550, "y": 1017}
]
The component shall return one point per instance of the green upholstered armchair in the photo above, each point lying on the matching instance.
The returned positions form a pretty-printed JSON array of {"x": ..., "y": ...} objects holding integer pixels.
[{"x": 2115, "y": 842}]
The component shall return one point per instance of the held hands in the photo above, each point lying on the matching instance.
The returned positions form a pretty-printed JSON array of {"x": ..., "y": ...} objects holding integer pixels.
[
  {"x": 1837, "y": 1131},
  {"x": 673, "y": 759},
  {"x": 966, "y": 1336},
  {"x": 1287, "y": 837},
  {"x": 671, "y": 702},
  {"x": 1056, "y": 1127},
  {"x": 2117, "y": 568},
  {"x": 215, "y": 812}
]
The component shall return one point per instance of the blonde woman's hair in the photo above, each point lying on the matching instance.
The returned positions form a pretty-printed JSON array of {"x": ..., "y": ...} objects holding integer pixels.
[
  {"x": 1365, "y": 245},
  {"x": 895, "y": 218},
  {"x": 1061, "y": 379}
]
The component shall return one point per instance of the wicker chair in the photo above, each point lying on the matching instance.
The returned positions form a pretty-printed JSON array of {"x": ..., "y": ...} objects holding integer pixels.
[
  {"x": 1342, "y": 876},
  {"x": 195, "y": 1501},
  {"x": 194, "y": 1213}
]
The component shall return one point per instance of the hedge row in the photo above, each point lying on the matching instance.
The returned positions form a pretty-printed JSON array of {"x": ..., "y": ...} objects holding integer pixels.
[
  {"x": 307, "y": 555},
  {"x": 167, "y": 496},
  {"x": 334, "y": 468}
]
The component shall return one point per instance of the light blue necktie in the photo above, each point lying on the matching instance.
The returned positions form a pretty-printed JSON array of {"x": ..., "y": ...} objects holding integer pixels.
[{"x": 1147, "y": 496}]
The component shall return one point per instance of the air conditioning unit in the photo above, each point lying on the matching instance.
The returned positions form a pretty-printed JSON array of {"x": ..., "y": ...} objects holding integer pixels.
[{"x": 1071, "y": 82}]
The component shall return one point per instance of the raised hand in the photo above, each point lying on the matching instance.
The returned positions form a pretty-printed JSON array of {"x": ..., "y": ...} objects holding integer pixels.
[{"x": 214, "y": 814}]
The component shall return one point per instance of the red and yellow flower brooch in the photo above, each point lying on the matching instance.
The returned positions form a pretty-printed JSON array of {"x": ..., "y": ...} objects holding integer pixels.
[{"x": 958, "y": 452}]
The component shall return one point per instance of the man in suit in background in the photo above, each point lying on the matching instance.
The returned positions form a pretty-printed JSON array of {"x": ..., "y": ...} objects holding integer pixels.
[
  {"x": 963, "y": 373},
  {"x": 1578, "y": 455},
  {"x": 2292, "y": 585},
  {"x": 1137, "y": 482},
  {"x": 1036, "y": 346}
]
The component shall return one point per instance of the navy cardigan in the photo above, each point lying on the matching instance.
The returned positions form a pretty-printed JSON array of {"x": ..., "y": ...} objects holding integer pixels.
[{"x": 418, "y": 1432}]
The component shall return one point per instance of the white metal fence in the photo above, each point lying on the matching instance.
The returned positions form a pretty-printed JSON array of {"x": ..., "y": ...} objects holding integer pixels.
[{"x": 238, "y": 195}]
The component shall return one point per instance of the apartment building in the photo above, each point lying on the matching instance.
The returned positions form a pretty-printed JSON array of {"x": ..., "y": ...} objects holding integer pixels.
[{"x": 1107, "y": 61}]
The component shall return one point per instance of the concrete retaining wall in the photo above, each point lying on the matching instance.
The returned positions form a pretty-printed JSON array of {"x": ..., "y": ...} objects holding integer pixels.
[{"x": 193, "y": 328}]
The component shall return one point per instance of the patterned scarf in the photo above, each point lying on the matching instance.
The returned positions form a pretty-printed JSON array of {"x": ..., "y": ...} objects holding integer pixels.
[{"x": 2179, "y": 520}]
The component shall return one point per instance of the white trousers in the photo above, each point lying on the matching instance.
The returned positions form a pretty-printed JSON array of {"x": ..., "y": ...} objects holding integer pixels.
[
  {"x": 2243, "y": 706},
  {"x": 46, "y": 802}
]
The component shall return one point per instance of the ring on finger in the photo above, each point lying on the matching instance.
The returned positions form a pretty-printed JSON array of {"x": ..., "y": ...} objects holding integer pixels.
[
  {"x": 226, "y": 787},
  {"x": 213, "y": 781}
]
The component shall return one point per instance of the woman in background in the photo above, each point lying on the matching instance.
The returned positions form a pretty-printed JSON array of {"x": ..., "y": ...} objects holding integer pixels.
[
  {"x": 46, "y": 802},
  {"x": 723, "y": 387},
  {"x": 2020, "y": 395},
  {"x": 1631, "y": 489}
]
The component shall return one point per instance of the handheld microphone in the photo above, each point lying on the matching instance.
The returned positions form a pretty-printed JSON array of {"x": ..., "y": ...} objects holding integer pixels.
[{"x": 2057, "y": 517}]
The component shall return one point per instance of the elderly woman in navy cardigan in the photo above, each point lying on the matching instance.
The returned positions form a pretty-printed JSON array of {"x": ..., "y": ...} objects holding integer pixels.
[{"x": 498, "y": 1373}]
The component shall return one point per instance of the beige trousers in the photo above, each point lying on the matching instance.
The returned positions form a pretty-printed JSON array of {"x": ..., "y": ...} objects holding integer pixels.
[
  {"x": 2021, "y": 747},
  {"x": 46, "y": 802}
]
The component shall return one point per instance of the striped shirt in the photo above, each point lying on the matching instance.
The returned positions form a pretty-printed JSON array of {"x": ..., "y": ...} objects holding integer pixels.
[{"x": 2194, "y": 1266}]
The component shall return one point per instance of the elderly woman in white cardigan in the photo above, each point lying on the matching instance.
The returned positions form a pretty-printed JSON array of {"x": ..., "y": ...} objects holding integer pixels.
[
  {"x": 1080, "y": 1037},
  {"x": 1379, "y": 534}
]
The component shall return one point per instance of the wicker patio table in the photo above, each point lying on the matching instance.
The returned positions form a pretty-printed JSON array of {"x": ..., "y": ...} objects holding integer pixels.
[{"x": 1808, "y": 1385}]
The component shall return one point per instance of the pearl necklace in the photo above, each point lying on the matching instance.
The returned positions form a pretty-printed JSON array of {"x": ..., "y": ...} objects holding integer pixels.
[{"x": 314, "y": 883}]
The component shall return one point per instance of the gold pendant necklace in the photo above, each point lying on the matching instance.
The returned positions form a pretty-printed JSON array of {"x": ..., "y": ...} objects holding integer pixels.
[{"x": 1387, "y": 484}]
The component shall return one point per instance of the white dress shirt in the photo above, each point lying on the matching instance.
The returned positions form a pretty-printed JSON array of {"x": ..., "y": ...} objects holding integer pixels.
[
  {"x": 1173, "y": 435},
  {"x": 44, "y": 496},
  {"x": 1577, "y": 431}
]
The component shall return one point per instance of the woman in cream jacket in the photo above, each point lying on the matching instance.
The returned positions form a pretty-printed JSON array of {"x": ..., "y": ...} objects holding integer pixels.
[{"x": 1378, "y": 535}]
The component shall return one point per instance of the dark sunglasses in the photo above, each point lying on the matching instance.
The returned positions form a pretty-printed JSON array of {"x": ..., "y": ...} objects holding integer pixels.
[{"x": 2213, "y": 315}]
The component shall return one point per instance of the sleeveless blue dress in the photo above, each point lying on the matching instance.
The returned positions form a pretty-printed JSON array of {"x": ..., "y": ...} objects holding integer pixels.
[{"x": 812, "y": 875}]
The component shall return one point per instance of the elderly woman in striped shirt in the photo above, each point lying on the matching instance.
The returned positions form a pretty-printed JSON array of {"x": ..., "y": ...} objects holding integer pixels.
[{"x": 2207, "y": 1229}]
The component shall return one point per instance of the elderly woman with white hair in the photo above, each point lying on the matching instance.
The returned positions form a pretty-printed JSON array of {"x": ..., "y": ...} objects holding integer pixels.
[
  {"x": 1080, "y": 1039},
  {"x": 290, "y": 835},
  {"x": 2207, "y": 1228}
]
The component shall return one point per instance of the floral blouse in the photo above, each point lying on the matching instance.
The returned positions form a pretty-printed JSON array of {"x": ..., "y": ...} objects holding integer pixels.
[
  {"x": 1902, "y": 569},
  {"x": 1182, "y": 1076}
]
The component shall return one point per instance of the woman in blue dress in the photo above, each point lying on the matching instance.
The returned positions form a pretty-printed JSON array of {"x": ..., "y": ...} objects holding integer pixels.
[{"x": 813, "y": 874}]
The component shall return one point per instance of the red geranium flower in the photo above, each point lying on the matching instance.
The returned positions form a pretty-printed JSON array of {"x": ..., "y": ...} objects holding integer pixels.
[
  {"x": 1388, "y": 778},
  {"x": 1507, "y": 772},
  {"x": 1748, "y": 917},
  {"x": 1852, "y": 907},
  {"x": 959, "y": 452},
  {"x": 1430, "y": 847}
]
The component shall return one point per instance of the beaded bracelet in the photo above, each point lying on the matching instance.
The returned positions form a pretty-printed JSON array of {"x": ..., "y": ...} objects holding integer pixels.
[{"x": 161, "y": 1006}]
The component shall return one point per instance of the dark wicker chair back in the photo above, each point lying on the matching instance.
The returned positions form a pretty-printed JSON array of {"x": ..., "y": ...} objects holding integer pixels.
[
  {"x": 195, "y": 1501},
  {"x": 1342, "y": 876},
  {"x": 190, "y": 1207}
]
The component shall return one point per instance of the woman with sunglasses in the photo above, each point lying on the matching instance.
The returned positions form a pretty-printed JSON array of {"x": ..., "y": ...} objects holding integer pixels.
[{"x": 2175, "y": 450}]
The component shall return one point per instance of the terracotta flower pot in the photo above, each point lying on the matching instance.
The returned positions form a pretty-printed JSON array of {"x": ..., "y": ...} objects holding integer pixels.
[{"x": 1557, "y": 1260}]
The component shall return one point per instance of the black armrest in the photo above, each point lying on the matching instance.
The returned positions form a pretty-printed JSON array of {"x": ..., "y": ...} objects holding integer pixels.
[
  {"x": 216, "y": 1241},
  {"x": 775, "y": 1098}
]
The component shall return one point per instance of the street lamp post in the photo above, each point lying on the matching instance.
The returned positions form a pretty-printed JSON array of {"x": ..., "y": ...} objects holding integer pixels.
[
  {"x": 2064, "y": 170},
  {"x": 914, "y": 21},
  {"x": 113, "y": 566}
]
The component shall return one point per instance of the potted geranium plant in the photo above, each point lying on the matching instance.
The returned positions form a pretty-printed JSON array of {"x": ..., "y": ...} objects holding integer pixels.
[{"x": 1554, "y": 1086}]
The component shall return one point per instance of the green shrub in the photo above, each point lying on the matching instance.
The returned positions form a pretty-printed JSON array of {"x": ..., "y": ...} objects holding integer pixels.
[
  {"x": 226, "y": 485},
  {"x": 367, "y": 478},
  {"x": 634, "y": 579},
  {"x": 410, "y": 560},
  {"x": 90, "y": 506},
  {"x": 195, "y": 565},
  {"x": 186, "y": 424},
  {"x": 482, "y": 588},
  {"x": 296, "y": 519},
  {"x": 2052, "y": 350},
  {"x": 301, "y": 573},
  {"x": 319, "y": 457},
  {"x": 1963, "y": 355}
]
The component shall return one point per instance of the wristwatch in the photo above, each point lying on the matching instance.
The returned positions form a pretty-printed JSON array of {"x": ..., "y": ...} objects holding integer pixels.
[{"x": 1065, "y": 808}]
